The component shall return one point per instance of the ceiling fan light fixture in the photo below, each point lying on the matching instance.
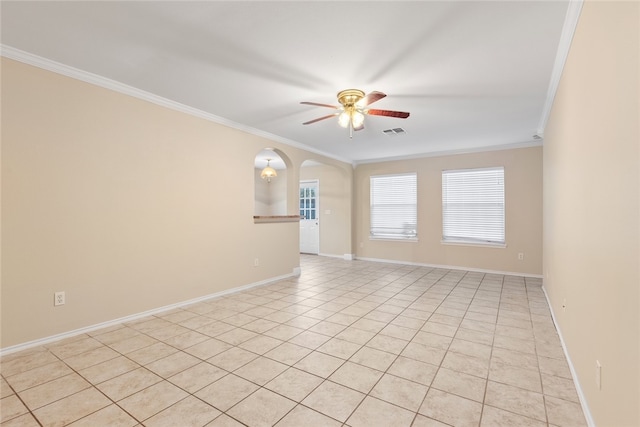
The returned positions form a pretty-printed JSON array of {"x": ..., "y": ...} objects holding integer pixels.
[
  {"x": 357, "y": 119},
  {"x": 343, "y": 119},
  {"x": 268, "y": 172},
  {"x": 350, "y": 116}
]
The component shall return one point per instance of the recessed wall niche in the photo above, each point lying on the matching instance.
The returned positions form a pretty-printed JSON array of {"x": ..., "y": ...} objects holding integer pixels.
[{"x": 270, "y": 191}]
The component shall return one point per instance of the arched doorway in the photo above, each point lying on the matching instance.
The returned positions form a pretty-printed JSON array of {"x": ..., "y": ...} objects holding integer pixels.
[{"x": 270, "y": 183}]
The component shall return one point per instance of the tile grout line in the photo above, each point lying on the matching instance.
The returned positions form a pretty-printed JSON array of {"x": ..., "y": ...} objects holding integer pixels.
[{"x": 493, "y": 339}]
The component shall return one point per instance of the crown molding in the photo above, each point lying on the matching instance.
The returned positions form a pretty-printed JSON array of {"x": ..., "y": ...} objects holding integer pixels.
[
  {"x": 564, "y": 45},
  {"x": 528, "y": 144},
  {"x": 116, "y": 86}
]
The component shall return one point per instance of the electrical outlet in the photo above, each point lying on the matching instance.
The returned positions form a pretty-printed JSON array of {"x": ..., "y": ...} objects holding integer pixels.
[
  {"x": 59, "y": 298},
  {"x": 256, "y": 262},
  {"x": 598, "y": 375},
  {"x": 520, "y": 256}
]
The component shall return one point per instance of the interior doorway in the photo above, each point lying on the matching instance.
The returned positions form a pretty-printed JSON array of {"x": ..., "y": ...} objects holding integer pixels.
[{"x": 309, "y": 217}]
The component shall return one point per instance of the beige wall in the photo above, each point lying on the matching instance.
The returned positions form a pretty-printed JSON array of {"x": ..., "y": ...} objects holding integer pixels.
[
  {"x": 591, "y": 209},
  {"x": 124, "y": 205},
  {"x": 334, "y": 187},
  {"x": 523, "y": 210}
]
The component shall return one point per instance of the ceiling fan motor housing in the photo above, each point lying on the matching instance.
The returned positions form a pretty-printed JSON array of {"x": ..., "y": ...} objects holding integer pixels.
[{"x": 349, "y": 97}]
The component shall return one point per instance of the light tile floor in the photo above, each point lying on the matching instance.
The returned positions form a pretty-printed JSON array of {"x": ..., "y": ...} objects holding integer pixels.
[{"x": 347, "y": 343}]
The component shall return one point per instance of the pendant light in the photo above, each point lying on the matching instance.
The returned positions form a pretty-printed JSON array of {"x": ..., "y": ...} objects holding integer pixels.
[{"x": 268, "y": 172}]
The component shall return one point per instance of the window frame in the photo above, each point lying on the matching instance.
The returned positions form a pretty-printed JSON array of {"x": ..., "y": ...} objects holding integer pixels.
[
  {"x": 470, "y": 240},
  {"x": 413, "y": 237}
]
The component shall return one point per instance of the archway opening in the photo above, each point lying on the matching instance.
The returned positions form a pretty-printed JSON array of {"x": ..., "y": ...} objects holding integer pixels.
[
  {"x": 270, "y": 183},
  {"x": 326, "y": 227}
]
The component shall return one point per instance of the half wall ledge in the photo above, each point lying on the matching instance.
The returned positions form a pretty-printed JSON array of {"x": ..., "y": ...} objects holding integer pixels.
[{"x": 262, "y": 219}]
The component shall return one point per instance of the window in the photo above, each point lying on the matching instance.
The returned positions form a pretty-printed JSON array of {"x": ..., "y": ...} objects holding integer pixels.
[
  {"x": 473, "y": 205},
  {"x": 308, "y": 200},
  {"x": 393, "y": 206}
]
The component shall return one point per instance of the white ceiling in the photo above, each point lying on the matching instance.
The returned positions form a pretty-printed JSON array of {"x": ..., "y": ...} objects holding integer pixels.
[{"x": 473, "y": 75}]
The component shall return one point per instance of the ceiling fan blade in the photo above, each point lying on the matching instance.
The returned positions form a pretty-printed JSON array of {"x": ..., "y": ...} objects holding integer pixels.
[
  {"x": 319, "y": 105},
  {"x": 388, "y": 113},
  {"x": 320, "y": 118},
  {"x": 370, "y": 98}
]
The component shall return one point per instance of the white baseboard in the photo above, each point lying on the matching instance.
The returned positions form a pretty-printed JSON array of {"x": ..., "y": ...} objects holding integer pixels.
[
  {"x": 574, "y": 375},
  {"x": 346, "y": 257},
  {"x": 452, "y": 267},
  {"x": 130, "y": 318},
  {"x": 332, "y": 256}
]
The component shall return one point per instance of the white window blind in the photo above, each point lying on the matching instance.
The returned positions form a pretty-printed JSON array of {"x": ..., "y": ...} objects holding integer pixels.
[
  {"x": 473, "y": 205},
  {"x": 393, "y": 206}
]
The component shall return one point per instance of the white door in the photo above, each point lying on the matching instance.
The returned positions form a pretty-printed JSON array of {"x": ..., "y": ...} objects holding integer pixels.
[{"x": 310, "y": 221}]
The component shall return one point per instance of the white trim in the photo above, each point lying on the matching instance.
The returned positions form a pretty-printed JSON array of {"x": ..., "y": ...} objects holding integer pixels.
[
  {"x": 325, "y": 255},
  {"x": 132, "y": 317},
  {"x": 574, "y": 375},
  {"x": 452, "y": 267},
  {"x": 329, "y": 255},
  {"x": 472, "y": 243},
  {"x": 394, "y": 239},
  {"x": 486, "y": 168},
  {"x": 97, "y": 80},
  {"x": 564, "y": 45},
  {"x": 346, "y": 257},
  {"x": 529, "y": 144}
]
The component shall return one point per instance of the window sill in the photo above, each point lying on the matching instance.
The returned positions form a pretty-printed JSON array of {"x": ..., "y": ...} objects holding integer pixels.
[
  {"x": 469, "y": 243},
  {"x": 394, "y": 239},
  {"x": 262, "y": 219}
]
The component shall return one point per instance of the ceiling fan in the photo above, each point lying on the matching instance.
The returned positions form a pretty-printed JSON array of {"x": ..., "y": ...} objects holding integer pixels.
[{"x": 351, "y": 113}]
